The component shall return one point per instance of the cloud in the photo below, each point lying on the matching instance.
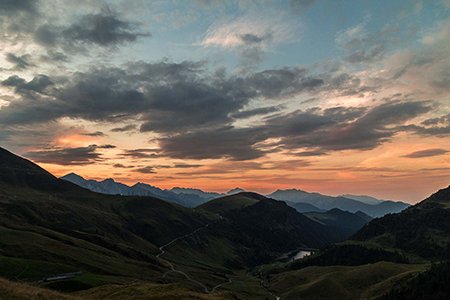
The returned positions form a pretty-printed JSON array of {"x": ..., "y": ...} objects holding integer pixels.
[
  {"x": 124, "y": 128},
  {"x": 162, "y": 97},
  {"x": 107, "y": 146},
  {"x": 426, "y": 153},
  {"x": 140, "y": 153},
  {"x": 323, "y": 130},
  {"x": 256, "y": 111},
  {"x": 66, "y": 156},
  {"x": 54, "y": 57},
  {"x": 311, "y": 153},
  {"x": 105, "y": 29},
  {"x": 102, "y": 29},
  {"x": 38, "y": 84},
  {"x": 235, "y": 144},
  {"x": 252, "y": 35},
  {"x": 20, "y": 62},
  {"x": 145, "y": 170},
  {"x": 366, "y": 47},
  {"x": 97, "y": 133},
  {"x": 186, "y": 166},
  {"x": 122, "y": 166},
  {"x": 373, "y": 54}
]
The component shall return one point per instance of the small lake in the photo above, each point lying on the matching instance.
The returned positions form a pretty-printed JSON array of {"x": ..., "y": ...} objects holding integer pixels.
[{"x": 298, "y": 255}]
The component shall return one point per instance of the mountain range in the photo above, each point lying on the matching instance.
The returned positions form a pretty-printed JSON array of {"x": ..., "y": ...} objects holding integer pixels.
[
  {"x": 323, "y": 202},
  {"x": 302, "y": 201}
]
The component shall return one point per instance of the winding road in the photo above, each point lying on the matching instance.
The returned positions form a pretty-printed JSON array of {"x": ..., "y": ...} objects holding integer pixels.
[
  {"x": 172, "y": 267},
  {"x": 183, "y": 273}
]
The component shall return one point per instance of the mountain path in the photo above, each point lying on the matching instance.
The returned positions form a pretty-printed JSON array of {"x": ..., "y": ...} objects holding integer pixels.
[{"x": 183, "y": 273}]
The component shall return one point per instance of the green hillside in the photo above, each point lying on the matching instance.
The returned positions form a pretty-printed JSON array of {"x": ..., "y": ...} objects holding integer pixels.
[
  {"x": 230, "y": 203},
  {"x": 423, "y": 229},
  {"x": 342, "y": 282}
]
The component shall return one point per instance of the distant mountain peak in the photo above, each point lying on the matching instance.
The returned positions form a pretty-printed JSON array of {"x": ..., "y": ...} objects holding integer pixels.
[
  {"x": 363, "y": 198},
  {"x": 72, "y": 175},
  {"x": 108, "y": 180},
  {"x": 236, "y": 190}
]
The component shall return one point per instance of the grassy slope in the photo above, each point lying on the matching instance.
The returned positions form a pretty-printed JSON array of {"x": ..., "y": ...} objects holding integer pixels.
[
  {"x": 229, "y": 203},
  {"x": 17, "y": 291},
  {"x": 342, "y": 282},
  {"x": 422, "y": 230}
]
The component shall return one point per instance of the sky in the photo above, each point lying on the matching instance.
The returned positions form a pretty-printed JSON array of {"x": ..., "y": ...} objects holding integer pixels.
[{"x": 335, "y": 97}]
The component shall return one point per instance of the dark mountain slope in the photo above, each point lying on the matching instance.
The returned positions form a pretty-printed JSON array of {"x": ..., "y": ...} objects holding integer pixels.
[
  {"x": 304, "y": 207},
  {"x": 21, "y": 173},
  {"x": 48, "y": 221},
  {"x": 423, "y": 229},
  {"x": 267, "y": 227},
  {"x": 350, "y": 223}
]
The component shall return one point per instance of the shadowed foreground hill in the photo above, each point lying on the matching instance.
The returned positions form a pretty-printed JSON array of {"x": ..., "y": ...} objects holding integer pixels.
[
  {"x": 423, "y": 229},
  {"x": 50, "y": 226}
]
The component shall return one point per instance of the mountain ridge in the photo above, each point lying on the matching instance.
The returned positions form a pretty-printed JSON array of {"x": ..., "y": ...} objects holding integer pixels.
[{"x": 191, "y": 197}]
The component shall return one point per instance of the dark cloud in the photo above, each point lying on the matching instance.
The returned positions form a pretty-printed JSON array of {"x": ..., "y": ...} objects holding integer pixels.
[
  {"x": 140, "y": 153},
  {"x": 426, "y": 153},
  {"x": 186, "y": 166},
  {"x": 105, "y": 29},
  {"x": 164, "y": 97},
  {"x": 323, "y": 130},
  {"x": 20, "y": 62},
  {"x": 251, "y": 38},
  {"x": 193, "y": 110},
  {"x": 122, "y": 166},
  {"x": 66, "y": 156},
  {"x": 107, "y": 146},
  {"x": 437, "y": 131},
  {"x": 275, "y": 83},
  {"x": 232, "y": 143},
  {"x": 436, "y": 121},
  {"x": 251, "y": 53},
  {"x": 254, "y": 112},
  {"x": 145, "y": 170},
  {"x": 97, "y": 133},
  {"x": 102, "y": 29},
  {"x": 366, "y": 132},
  {"x": 311, "y": 153},
  {"x": 33, "y": 89},
  {"x": 124, "y": 128}
]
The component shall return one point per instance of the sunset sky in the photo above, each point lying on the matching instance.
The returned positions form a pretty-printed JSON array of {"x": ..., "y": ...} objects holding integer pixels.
[{"x": 332, "y": 97}]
